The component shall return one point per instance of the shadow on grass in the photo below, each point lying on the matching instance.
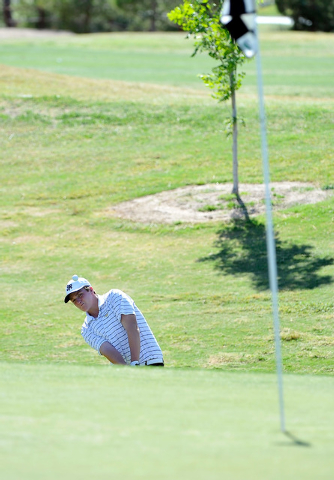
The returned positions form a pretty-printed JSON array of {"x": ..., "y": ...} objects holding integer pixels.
[
  {"x": 290, "y": 440},
  {"x": 242, "y": 249},
  {"x": 297, "y": 441}
]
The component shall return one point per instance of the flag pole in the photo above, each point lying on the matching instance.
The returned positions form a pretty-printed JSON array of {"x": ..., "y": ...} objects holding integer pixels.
[
  {"x": 271, "y": 249},
  {"x": 240, "y": 20}
]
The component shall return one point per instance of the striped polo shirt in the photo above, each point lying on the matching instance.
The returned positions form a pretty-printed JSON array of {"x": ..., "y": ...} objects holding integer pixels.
[{"x": 107, "y": 326}]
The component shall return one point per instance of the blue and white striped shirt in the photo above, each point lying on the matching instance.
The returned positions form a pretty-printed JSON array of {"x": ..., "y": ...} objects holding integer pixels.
[{"x": 107, "y": 327}]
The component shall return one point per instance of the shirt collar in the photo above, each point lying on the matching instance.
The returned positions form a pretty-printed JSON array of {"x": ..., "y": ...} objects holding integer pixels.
[{"x": 101, "y": 299}]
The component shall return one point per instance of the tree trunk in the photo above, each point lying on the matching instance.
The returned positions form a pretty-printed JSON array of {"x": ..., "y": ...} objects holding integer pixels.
[
  {"x": 87, "y": 20},
  {"x": 153, "y": 16},
  {"x": 235, "y": 189},
  {"x": 7, "y": 14},
  {"x": 41, "y": 23}
]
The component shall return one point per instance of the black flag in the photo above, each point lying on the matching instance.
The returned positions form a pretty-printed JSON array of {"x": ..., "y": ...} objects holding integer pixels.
[{"x": 239, "y": 17}]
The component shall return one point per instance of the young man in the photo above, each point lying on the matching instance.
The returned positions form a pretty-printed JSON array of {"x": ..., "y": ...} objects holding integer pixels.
[{"x": 114, "y": 326}]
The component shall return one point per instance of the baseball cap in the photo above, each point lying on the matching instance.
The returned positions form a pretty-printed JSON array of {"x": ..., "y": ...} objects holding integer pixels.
[{"x": 75, "y": 284}]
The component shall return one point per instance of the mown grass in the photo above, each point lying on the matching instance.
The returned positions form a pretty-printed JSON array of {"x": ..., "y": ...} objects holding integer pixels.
[
  {"x": 73, "y": 421},
  {"x": 74, "y": 147},
  {"x": 301, "y": 64}
]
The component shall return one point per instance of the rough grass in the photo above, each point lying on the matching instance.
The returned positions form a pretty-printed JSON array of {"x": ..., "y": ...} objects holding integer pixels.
[{"x": 74, "y": 146}]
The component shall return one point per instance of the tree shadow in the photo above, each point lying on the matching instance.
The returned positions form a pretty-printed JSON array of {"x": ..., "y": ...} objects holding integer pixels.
[{"x": 242, "y": 249}]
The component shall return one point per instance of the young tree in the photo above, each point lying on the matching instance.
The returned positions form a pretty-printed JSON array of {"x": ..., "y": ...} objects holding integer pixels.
[{"x": 201, "y": 20}]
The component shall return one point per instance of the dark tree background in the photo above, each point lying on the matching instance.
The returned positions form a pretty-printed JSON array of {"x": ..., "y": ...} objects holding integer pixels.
[
  {"x": 311, "y": 15},
  {"x": 7, "y": 14},
  {"x": 85, "y": 16}
]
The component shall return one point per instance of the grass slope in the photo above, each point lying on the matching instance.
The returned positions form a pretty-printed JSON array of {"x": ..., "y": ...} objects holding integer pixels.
[
  {"x": 74, "y": 146},
  {"x": 79, "y": 422},
  {"x": 294, "y": 63}
]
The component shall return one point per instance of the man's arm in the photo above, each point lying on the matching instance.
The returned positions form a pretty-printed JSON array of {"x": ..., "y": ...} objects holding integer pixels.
[
  {"x": 129, "y": 322},
  {"x": 110, "y": 352}
]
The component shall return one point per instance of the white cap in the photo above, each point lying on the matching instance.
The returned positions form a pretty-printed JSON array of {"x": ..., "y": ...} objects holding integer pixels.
[{"x": 75, "y": 284}]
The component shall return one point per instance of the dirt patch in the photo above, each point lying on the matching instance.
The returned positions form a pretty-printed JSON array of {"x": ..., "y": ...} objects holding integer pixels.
[{"x": 214, "y": 202}]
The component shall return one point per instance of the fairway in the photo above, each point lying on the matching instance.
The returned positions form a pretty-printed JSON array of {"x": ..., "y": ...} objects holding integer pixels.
[
  {"x": 112, "y": 422},
  {"x": 300, "y": 65}
]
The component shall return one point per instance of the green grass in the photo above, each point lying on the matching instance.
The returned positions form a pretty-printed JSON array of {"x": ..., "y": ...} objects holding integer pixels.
[
  {"x": 61, "y": 421},
  {"x": 300, "y": 65},
  {"x": 128, "y": 57},
  {"x": 74, "y": 147}
]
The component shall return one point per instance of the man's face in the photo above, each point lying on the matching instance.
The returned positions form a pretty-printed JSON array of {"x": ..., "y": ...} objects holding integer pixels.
[{"x": 83, "y": 299}]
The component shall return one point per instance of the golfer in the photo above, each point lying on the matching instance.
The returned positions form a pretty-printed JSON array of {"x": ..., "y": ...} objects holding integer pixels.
[{"x": 114, "y": 326}]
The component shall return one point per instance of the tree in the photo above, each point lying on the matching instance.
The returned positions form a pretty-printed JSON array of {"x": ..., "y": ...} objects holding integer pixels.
[
  {"x": 313, "y": 15},
  {"x": 7, "y": 14},
  {"x": 147, "y": 14},
  {"x": 201, "y": 20},
  {"x": 36, "y": 13},
  {"x": 84, "y": 16}
]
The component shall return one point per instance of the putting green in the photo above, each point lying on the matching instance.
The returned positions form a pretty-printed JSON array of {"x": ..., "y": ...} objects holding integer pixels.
[{"x": 65, "y": 421}]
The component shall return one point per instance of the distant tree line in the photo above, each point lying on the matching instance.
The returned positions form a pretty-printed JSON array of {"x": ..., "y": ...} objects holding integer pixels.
[
  {"x": 84, "y": 16},
  {"x": 312, "y": 15}
]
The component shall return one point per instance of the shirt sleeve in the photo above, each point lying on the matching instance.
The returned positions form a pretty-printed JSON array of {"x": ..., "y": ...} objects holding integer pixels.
[
  {"x": 93, "y": 340},
  {"x": 127, "y": 305},
  {"x": 121, "y": 303}
]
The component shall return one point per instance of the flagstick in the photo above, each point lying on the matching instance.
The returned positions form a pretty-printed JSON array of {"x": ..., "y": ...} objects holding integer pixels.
[{"x": 272, "y": 265}]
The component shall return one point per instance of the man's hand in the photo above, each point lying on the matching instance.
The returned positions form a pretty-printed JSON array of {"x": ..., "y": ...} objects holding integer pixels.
[
  {"x": 110, "y": 352},
  {"x": 129, "y": 322}
]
